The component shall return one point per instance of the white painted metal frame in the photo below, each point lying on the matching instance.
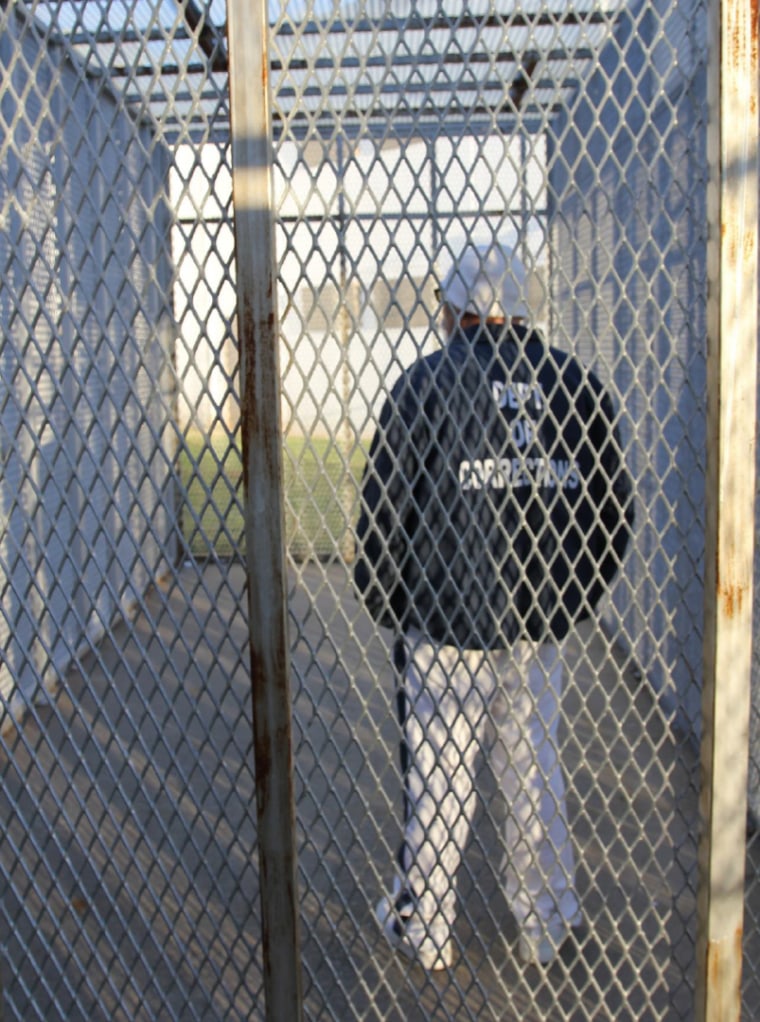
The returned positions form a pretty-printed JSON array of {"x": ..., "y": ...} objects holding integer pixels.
[{"x": 732, "y": 427}]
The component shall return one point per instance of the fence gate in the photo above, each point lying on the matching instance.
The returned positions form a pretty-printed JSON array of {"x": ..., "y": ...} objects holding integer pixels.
[{"x": 129, "y": 879}]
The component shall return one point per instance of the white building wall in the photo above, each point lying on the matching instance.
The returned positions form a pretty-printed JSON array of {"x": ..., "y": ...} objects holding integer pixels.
[{"x": 86, "y": 498}]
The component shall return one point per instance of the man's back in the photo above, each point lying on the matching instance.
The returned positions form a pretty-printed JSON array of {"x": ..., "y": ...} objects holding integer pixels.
[
  {"x": 495, "y": 507},
  {"x": 494, "y": 499}
]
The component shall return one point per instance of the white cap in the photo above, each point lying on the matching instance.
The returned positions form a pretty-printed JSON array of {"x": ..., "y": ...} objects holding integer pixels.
[{"x": 488, "y": 280}]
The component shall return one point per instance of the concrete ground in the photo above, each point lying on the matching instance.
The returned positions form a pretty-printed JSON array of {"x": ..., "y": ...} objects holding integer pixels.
[{"x": 129, "y": 871}]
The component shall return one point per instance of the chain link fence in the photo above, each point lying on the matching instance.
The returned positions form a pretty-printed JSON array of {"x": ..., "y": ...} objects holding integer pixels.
[{"x": 129, "y": 883}]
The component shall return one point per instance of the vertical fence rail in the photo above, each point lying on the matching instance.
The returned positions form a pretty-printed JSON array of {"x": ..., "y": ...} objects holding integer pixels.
[
  {"x": 262, "y": 461},
  {"x": 732, "y": 425}
]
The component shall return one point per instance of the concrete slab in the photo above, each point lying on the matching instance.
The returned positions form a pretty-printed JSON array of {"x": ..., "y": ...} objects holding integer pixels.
[{"x": 128, "y": 868}]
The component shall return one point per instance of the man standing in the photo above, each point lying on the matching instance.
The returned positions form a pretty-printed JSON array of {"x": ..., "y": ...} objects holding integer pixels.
[{"x": 495, "y": 510}]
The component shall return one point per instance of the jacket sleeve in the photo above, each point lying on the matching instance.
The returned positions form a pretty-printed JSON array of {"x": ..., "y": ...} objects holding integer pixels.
[
  {"x": 613, "y": 493},
  {"x": 382, "y": 539}
]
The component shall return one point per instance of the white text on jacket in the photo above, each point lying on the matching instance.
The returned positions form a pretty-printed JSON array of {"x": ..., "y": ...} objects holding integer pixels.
[{"x": 500, "y": 473}]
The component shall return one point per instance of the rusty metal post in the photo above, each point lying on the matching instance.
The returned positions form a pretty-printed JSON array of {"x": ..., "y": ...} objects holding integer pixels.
[
  {"x": 264, "y": 534},
  {"x": 732, "y": 362}
]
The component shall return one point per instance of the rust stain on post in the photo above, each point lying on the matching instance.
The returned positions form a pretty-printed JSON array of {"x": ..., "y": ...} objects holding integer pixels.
[
  {"x": 729, "y": 537},
  {"x": 732, "y": 598},
  {"x": 723, "y": 979},
  {"x": 742, "y": 35},
  {"x": 251, "y": 138}
]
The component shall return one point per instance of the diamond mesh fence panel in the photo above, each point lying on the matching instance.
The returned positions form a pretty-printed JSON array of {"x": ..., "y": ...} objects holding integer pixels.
[{"x": 129, "y": 882}]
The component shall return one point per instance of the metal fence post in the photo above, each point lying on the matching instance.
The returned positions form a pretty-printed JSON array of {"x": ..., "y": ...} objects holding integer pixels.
[
  {"x": 262, "y": 457},
  {"x": 732, "y": 361}
]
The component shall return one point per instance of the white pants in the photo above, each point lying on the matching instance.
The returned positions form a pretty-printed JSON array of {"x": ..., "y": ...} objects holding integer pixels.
[{"x": 456, "y": 704}]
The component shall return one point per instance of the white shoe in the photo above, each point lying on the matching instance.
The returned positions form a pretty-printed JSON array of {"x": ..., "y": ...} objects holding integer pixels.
[{"x": 409, "y": 935}]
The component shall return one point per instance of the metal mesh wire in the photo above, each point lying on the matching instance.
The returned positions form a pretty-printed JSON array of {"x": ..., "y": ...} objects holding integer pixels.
[{"x": 128, "y": 865}]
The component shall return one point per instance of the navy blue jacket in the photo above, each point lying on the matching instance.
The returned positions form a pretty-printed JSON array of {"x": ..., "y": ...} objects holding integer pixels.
[{"x": 495, "y": 504}]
